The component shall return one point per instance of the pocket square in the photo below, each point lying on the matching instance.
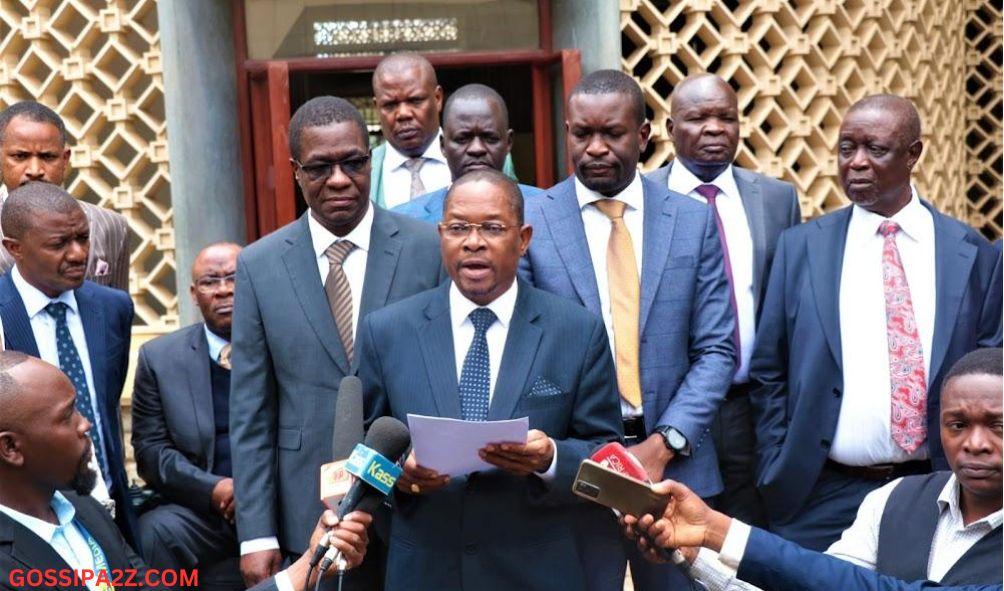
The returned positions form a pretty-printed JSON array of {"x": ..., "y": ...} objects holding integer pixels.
[
  {"x": 101, "y": 268},
  {"x": 543, "y": 388}
]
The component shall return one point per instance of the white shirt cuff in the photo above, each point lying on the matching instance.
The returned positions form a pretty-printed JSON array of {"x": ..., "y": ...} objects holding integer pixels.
[
  {"x": 708, "y": 569},
  {"x": 734, "y": 546},
  {"x": 259, "y": 544},
  {"x": 548, "y": 475},
  {"x": 282, "y": 582}
]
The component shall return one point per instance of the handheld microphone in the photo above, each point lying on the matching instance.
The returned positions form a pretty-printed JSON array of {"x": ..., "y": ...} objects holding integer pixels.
[
  {"x": 347, "y": 433},
  {"x": 616, "y": 457},
  {"x": 374, "y": 465}
]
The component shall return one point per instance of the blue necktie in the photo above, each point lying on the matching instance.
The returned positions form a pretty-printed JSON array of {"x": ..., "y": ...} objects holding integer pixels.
[
  {"x": 475, "y": 377},
  {"x": 73, "y": 367}
]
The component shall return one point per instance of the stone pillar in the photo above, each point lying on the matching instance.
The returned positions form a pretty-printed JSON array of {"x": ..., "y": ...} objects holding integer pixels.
[{"x": 200, "y": 91}]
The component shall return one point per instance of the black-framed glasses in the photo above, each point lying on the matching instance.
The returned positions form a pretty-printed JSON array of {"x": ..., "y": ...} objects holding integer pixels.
[
  {"x": 487, "y": 230},
  {"x": 210, "y": 283},
  {"x": 322, "y": 170}
]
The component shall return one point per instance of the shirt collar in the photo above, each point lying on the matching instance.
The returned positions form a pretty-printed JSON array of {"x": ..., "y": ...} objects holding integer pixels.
[
  {"x": 949, "y": 500},
  {"x": 633, "y": 194},
  {"x": 34, "y": 300},
  {"x": 64, "y": 510},
  {"x": 503, "y": 306},
  {"x": 683, "y": 181},
  {"x": 215, "y": 343},
  {"x": 394, "y": 159},
  {"x": 911, "y": 218},
  {"x": 321, "y": 238}
]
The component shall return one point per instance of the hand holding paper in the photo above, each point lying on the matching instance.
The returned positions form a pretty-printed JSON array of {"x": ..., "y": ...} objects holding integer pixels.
[{"x": 521, "y": 459}]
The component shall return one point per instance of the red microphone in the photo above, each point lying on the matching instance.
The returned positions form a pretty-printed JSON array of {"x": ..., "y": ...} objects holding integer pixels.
[{"x": 617, "y": 458}]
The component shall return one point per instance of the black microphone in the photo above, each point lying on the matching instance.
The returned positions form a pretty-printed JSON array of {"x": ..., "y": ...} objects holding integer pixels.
[{"x": 387, "y": 440}]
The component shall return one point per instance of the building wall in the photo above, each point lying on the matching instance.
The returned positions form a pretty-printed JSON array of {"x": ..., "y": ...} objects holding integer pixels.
[{"x": 799, "y": 65}]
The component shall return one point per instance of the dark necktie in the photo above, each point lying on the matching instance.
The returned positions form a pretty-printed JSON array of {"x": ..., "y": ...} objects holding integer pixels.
[
  {"x": 710, "y": 192},
  {"x": 475, "y": 377},
  {"x": 71, "y": 365}
]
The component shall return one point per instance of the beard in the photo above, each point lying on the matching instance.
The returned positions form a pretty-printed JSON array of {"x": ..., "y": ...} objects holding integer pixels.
[{"x": 84, "y": 480}]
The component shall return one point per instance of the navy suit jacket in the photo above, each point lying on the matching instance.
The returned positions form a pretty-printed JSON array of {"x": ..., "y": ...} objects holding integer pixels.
[
  {"x": 288, "y": 362},
  {"x": 173, "y": 428},
  {"x": 771, "y": 562},
  {"x": 797, "y": 360},
  {"x": 106, "y": 315},
  {"x": 493, "y": 530},
  {"x": 429, "y": 207},
  {"x": 687, "y": 357}
]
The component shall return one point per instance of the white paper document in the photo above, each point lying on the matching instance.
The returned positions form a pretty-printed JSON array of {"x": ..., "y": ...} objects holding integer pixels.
[{"x": 450, "y": 446}]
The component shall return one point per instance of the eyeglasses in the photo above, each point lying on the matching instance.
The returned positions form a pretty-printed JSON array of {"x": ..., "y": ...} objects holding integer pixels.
[
  {"x": 487, "y": 230},
  {"x": 323, "y": 170},
  {"x": 209, "y": 283}
]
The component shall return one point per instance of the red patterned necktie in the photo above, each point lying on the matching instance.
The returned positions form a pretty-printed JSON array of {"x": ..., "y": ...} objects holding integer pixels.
[{"x": 906, "y": 355}]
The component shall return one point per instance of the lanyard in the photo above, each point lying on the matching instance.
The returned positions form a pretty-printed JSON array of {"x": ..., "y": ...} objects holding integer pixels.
[{"x": 100, "y": 561}]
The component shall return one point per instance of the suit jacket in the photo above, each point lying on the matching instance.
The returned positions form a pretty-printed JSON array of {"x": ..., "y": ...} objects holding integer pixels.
[
  {"x": 288, "y": 361},
  {"x": 770, "y": 562},
  {"x": 21, "y": 549},
  {"x": 687, "y": 357},
  {"x": 771, "y": 207},
  {"x": 106, "y": 315},
  {"x": 493, "y": 530},
  {"x": 376, "y": 175},
  {"x": 108, "y": 261},
  {"x": 797, "y": 360},
  {"x": 173, "y": 430},
  {"x": 429, "y": 207}
]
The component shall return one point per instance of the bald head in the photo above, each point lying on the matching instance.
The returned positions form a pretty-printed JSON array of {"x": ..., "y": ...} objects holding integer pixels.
[
  {"x": 704, "y": 125},
  {"x": 13, "y": 409},
  {"x": 227, "y": 251},
  {"x": 25, "y": 204},
  {"x": 900, "y": 111},
  {"x": 408, "y": 100},
  {"x": 403, "y": 63},
  {"x": 476, "y": 93},
  {"x": 213, "y": 281}
]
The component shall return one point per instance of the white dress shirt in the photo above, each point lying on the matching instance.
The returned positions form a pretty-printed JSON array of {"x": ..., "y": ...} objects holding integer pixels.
[
  {"x": 463, "y": 337},
  {"x": 215, "y": 343},
  {"x": 597, "y": 226},
  {"x": 43, "y": 328},
  {"x": 740, "y": 241},
  {"x": 355, "y": 262},
  {"x": 65, "y": 538},
  {"x": 396, "y": 180},
  {"x": 355, "y": 270},
  {"x": 859, "y": 543},
  {"x": 863, "y": 436}
]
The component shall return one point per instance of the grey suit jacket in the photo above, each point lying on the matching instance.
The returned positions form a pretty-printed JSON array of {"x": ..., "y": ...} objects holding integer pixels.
[
  {"x": 288, "y": 362},
  {"x": 771, "y": 208},
  {"x": 108, "y": 262},
  {"x": 173, "y": 430}
]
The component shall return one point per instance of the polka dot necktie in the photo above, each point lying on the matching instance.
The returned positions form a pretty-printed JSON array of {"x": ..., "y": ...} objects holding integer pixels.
[
  {"x": 475, "y": 377},
  {"x": 71, "y": 365}
]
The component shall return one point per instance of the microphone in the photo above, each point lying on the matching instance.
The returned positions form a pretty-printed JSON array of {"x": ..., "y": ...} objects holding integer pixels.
[
  {"x": 347, "y": 433},
  {"x": 617, "y": 458},
  {"x": 374, "y": 465}
]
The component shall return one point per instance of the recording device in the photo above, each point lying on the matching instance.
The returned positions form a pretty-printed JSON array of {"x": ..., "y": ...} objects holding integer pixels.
[
  {"x": 613, "y": 489},
  {"x": 617, "y": 458},
  {"x": 347, "y": 434},
  {"x": 374, "y": 465}
]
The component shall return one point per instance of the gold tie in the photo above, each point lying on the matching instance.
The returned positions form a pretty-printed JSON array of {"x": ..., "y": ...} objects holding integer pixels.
[
  {"x": 622, "y": 276},
  {"x": 224, "y": 358}
]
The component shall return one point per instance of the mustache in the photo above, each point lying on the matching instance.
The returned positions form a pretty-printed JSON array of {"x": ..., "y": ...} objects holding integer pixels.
[{"x": 85, "y": 478}]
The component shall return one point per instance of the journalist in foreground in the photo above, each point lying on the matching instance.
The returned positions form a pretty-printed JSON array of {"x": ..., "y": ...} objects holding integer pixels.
[
  {"x": 761, "y": 558},
  {"x": 48, "y": 521}
]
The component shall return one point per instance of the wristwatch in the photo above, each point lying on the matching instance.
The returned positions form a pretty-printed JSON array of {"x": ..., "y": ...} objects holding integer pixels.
[{"x": 673, "y": 439}]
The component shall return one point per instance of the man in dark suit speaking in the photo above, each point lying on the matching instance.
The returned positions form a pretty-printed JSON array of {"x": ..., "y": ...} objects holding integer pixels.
[
  {"x": 300, "y": 294},
  {"x": 489, "y": 347}
]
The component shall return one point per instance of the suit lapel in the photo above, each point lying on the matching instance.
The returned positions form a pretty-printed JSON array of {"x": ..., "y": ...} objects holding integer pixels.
[
  {"x": 826, "y": 258},
  {"x": 30, "y": 550},
  {"x": 659, "y": 223},
  {"x": 92, "y": 316},
  {"x": 381, "y": 262},
  {"x": 199, "y": 385},
  {"x": 436, "y": 338},
  {"x": 517, "y": 358},
  {"x": 376, "y": 174},
  {"x": 953, "y": 261},
  {"x": 18, "y": 335},
  {"x": 301, "y": 264},
  {"x": 564, "y": 221},
  {"x": 434, "y": 205},
  {"x": 749, "y": 193}
]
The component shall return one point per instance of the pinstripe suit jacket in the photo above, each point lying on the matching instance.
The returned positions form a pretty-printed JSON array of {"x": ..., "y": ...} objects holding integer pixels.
[{"x": 108, "y": 262}]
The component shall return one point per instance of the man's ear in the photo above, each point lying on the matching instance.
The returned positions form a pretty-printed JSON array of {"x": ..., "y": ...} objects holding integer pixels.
[
  {"x": 13, "y": 246},
  {"x": 10, "y": 449}
]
